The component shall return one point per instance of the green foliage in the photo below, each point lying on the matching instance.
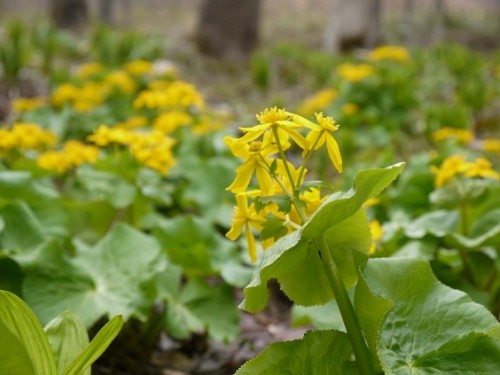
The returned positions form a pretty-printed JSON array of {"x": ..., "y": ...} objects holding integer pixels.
[
  {"x": 64, "y": 348},
  {"x": 346, "y": 227}
]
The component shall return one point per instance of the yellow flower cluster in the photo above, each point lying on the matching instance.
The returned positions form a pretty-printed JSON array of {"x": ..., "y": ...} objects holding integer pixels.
[
  {"x": 394, "y": 53},
  {"x": 73, "y": 154},
  {"x": 317, "y": 102},
  {"x": 120, "y": 81},
  {"x": 90, "y": 69},
  {"x": 262, "y": 149},
  {"x": 491, "y": 146},
  {"x": 151, "y": 148},
  {"x": 355, "y": 72},
  {"x": 349, "y": 109},
  {"x": 139, "y": 67},
  {"x": 168, "y": 122},
  {"x": 169, "y": 95},
  {"x": 457, "y": 165},
  {"x": 83, "y": 99},
  {"x": 25, "y": 136},
  {"x": 27, "y": 104},
  {"x": 463, "y": 136}
]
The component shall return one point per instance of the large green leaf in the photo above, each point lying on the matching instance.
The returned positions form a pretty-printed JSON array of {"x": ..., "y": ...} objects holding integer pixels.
[
  {"x": 23, "y": 230},
  {"x": 195, "y": 245},
  {"x": 318, "y": 353},
  {"x": 15, "y": 185},
  {"x": 198, "y": 307},
  {"x": 11, "y": 275},
  {"x": 108, "y": 186},
  {"x": 116, "y": 276},
  {"x": 68, "y": 338},
  {"x": 24, "y": 348},
  {"x": 430, "y": 328},
  {"x": 367, "y": 184},
  {"x": 293, "y": 260},
  {"x": 96, "y": 347}
]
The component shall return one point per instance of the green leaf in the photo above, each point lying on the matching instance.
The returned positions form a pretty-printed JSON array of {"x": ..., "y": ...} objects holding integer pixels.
[
  {"x": 107, "y": 186},
  {"x": 325, "y": 316},
  {"x": 310, "y": 185},
  {"x": 428, "y": 325},
  {"x": 367, "y": 184},
  {"x": 20, "y": 185},
  {"x": 294, "y": 261},
  {"x": 11, "y": 275},
  {"x": 23, "y": 231},
  {"x": 197, "y": 307},
  {"x": 68, "y": 338},
  {"x": 319, "y": 352},
  {"x": 438, "y": 223},
  {"x": 273, "y": 228},
  {"x": 281, "y": 200},
  {"x": 195, "y": 245},
  {"x": 23, "y": 339},
  {"x": 116, "y": 276},
  {"x": 96, "y": 347}
]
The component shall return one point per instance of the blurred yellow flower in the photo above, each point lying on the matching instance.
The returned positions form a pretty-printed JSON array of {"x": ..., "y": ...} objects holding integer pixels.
[
  {"x": 168, "y": 122},
  {"x": 355, "y": 72},
  {"x": 394, "y": 53},
  {"x": 27, "y": 104},
  {"x": 463, "y": 136},
  {"x": 121, "y": 81},
  {"x": 377, "y": 233},
  {"x": 138, "y": 67},
  {"x": 27, "y": 136},
  {"x": 175, "y": 95},
  {"x": 491, "y": 145},
  {"x": 90, "y": 69},
  {"x": 73, "y": 154},
  {"x": 457, "y": 165},
  {"x": 349, "y": 109},
  {"x": 104, "y": 135},
  {"x": 317, "y": 102}
]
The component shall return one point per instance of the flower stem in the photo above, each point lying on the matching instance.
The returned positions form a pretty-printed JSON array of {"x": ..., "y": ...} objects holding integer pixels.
[
  {"x": 347, "y": 312},
  {"x": 283, "y": 156}
]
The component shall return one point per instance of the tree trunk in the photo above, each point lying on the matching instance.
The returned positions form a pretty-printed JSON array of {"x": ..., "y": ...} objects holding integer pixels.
[
  {"x": 228, "y": 29},
  {"x": 69, "y": 14},
  {"x": 106, "y": 14},
  {"x": 352, "y": 23}
]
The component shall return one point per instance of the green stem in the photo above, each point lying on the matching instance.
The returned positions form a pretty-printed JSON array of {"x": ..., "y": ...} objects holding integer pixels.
[
  {"x": 347, "y": 312},
  {"x": 283, "y": 157},
  {"x": 306, "y": 159}
]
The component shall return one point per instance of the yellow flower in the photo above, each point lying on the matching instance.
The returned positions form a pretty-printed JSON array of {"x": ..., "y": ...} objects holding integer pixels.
[
  {"x": 450, "y": 167},
  {"x": 318, "y": 102},
  {"x": 457, "y": 165},
  {"x": 139, "y": 67},
  {"x": 349, "y": 109},
  {"x": 154, "y": 150},
  {"x": 395, "y": 53},
  {"x": 168, "y": 122},
  {"x": 73, "y": 154},
  {"x": 105, "y": 135},
  {"x": 321, "y": 134},
  {"x": 27, "y": 104},
  {"x": 30, "y": 136},
  {"x": 481, "y": 167},
  {"x": 279, "y": 120},
  {"x": 90, "y": 69},
  {"x": 133, "y": 122},
  {"x": 256, "y": 161},
  {"x": 354, "y": 72},
  {"x": 121, "y": 81},
  {"x": 377, "y": 232},
  {"x": 244, "y": 218},
  {"x": 464, "y": 136},
  {"x": 491, "y": 145},
  {"x": 175, "y": 94}
]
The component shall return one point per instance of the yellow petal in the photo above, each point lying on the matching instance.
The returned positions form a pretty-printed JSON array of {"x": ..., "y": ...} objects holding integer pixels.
[{"x": 333, "y": 152}]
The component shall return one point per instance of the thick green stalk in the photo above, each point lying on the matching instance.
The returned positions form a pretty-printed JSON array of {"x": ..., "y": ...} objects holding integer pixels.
[{"x": 347, "y": 312}]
